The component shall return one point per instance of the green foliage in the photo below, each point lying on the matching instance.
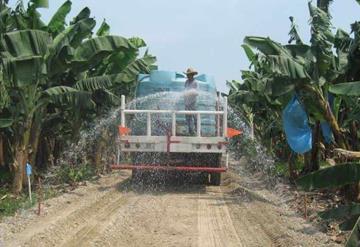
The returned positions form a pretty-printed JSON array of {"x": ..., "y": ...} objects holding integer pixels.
[
  {"x": 331, "y": 177},
  {"x": 294, "y": 33},
  {"x": 40, "y": 3},
  {"x": 56, "y": 79},
  {"x": 354, "y": 238},
  {"x": 57, "y": 22},
  {"x": 310, "y": 71},
  {"x": 6, "y": 122},
  {"x": 340, "y": 212},
  {"x": 25, "y": 43},
  {"x": 104, "y": 29},
  {"x": 75, "y": 173},
  {"x": 282, "y": 168},
  {"x": 10, "y": 204},
  {"x": 347, "y": 213},
  {"x": 5, "y": 176},
  {"x": 346, "y": 89},
  {"x": 348, "y": 225}
]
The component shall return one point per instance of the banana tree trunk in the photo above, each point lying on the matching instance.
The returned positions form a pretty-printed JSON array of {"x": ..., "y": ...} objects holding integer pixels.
[
  {"x": 51, "y": 143},
  {"x": 34, "y": 141},
  {"x": 291, "y": 162},
  {"x": 2, "y": 153},
  {"x": 329, "y": 116},
  {"x": 315, "y": 162},
  {"x": 354, "y": 136},
  {"x": 100, "y": 149},
  {"x": 307, "y": 163},
  {"x": 20, "y": 158}
]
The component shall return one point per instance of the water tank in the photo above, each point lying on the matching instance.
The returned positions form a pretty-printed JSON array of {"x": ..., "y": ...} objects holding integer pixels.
[{"x": 164, "y": 90}]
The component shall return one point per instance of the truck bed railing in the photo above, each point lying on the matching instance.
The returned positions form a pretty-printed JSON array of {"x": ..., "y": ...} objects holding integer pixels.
[{"x": 223, "y": 113}]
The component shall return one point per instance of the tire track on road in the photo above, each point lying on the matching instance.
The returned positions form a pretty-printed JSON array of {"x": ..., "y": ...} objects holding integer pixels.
[{"x": 215, "y": 226}]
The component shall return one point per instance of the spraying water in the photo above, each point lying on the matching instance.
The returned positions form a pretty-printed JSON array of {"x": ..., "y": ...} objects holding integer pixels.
[{"x": 106, "y": 130}]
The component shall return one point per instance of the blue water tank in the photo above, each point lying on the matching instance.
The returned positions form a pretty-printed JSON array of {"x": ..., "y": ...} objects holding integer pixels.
[{"x": 164, "y": 90}]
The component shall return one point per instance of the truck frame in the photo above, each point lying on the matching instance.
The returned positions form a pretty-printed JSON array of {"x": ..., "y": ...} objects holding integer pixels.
[{"x": 209, "y": 152}]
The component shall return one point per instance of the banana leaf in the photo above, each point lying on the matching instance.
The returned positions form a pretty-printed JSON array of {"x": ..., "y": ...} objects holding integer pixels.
[
  {"x": 104, "y": 29},
  {"x": 62, "y": 49},
  {"x": 340, "y": 212},
  {"x": 23, "y": 71},
  {"x": 281, "y": 86},
  {"x": 349, "y": 224},
  {"x": 84, "y": 14},
  {"x": 249, "y": 52},
  {"x": 264, "y": 45},
  {"x": 137, "y": 42},
  {"x": 94, "y": 50},
  {"x": 346, "y": 89},
  {"x": 40, "y": 3},
  {"x": 287, "y": 67},
  {"x": 26, "y": 43},
  {"x": 59, "y": 90},
  {"x": 57, "y": 22},
  {"x": 6, "y": 122},
  {"x": 354, "y": 239},
  {"x": 331, "y": 177}
]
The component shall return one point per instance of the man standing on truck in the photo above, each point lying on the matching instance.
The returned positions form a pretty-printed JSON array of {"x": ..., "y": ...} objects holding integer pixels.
[{"x": 190, "y": 96}]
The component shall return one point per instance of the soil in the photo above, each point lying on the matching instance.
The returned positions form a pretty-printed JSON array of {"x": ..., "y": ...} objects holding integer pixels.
[{"x": 116, "y": 211}]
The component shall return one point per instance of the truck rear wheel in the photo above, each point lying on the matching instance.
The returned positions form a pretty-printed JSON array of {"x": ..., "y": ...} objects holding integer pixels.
[
  {"x": 135, "y": 175},
  {"x": 215, "y": 179}
]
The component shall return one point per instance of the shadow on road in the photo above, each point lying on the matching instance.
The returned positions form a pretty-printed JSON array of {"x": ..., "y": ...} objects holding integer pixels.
[{"x": 162, "y": 183}]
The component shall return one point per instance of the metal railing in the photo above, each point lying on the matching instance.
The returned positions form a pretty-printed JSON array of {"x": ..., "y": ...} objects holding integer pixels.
[{"x": 124, "y": 111}]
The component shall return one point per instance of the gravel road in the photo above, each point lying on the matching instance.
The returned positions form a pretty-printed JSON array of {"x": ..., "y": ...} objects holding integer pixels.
[{"x": 114, "y": 211}]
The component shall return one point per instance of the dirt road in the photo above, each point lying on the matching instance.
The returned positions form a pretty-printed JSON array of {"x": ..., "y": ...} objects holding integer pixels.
[{"x": 116, "y": 212}]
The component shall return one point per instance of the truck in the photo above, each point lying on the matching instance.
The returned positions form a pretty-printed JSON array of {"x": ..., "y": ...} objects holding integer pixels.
[{"x": 155, "y": 136}]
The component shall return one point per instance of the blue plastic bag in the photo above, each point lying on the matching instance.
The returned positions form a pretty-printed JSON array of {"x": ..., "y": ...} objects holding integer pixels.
[
  {"x": 296, "y": 126},
  {"x": 28, "y": 169}
]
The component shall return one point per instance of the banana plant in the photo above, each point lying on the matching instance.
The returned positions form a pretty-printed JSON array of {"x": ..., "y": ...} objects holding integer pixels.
[
  {"x": 307, "y": 70},
  {"x": 54, "y": 68}
]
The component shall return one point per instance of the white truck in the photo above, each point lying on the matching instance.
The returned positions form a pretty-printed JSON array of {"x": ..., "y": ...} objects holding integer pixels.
[{"x": 173, "y": 151}]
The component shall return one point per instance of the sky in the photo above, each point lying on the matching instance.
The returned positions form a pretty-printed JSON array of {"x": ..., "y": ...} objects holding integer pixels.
[{"x": 205, "y": 34}]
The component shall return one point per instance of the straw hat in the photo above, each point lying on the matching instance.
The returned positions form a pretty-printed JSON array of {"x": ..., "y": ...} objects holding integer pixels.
[{"x": 191, "y": 71}]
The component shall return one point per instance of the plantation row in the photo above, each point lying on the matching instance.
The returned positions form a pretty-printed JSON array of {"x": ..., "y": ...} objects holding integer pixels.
[
  {"x": 323, "y": 75},
  {"x": 55, "y": 79}
]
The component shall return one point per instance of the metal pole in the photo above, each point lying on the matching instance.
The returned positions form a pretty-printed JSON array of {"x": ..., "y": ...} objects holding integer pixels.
[
  {"x": 218, "y": 116},
  {"x": 225, "y": 117},
  {"x": 173, "y": 119},
  {"x": 198, "y": 127},
  {"x": 148, "y": 124},
  {"x": 40, "y": 195},
  {"x": 122, "y": 111},
  {"x": 177, "y": 112},
  {"x": 118, "y": 153},
  {"x": 122, "y": 124},
  {"x": 227, "y": 161},
  {"x": 29, "y": 182}
]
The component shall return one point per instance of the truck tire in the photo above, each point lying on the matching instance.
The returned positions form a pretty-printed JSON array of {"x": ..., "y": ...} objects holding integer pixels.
[
  {"x": 215, "y": 179},
  {"x": 135, "y": 175}
]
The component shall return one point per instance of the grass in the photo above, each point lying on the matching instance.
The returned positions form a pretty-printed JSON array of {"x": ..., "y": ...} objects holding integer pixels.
[
  {"x": 282, "y": 168},
  {"x": 10, "y": 204},
  {"x": 73, "y": 174}
]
